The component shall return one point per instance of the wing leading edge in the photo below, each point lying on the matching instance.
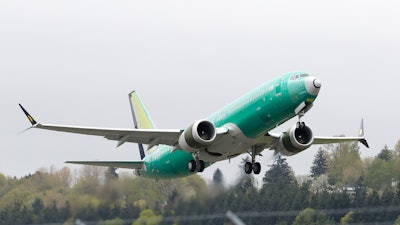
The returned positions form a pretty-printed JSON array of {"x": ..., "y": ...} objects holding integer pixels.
[
  {"x": 117, "y": 164},
  {"x": 143, "y": 136}
]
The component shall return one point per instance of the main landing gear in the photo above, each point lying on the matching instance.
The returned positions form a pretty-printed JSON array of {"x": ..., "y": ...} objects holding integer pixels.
[
  {"x": 196, "y": 164},
  {"x": 253, "y": 165}
]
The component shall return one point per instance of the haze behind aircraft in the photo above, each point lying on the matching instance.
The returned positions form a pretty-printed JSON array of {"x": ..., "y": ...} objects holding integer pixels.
[{"x": 243, "y": 126}]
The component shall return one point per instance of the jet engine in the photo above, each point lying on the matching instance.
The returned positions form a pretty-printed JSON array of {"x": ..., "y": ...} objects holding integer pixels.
[
  {"x": 296, "y": 139},
  {"x": 198, "y": 135}
]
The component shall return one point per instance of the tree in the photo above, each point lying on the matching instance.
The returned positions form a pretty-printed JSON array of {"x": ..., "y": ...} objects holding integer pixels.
[
  {"x": 279, "y": 190},
  {"x": 280, "y": 175},
  {"x": 382, "y": 171},
  {"x": 344, "y": 165},
  {"x": 305, "y": 217},
  {"x": 245, "y": 182},
  {"x": 397, "y": 221},
  {"x": 90, "y": 178},
  {"x": 319, "y": 164},
  {"x": 348, "y": 218},
  {"x": 385, "y": 154},
  {"x": 111, "y": 174},
  {"x": 116, "y": 221},
  {"x": 309, "y": 216},
  {"x": 218, "y": 179},
  {"x": 148, "y": 217}
]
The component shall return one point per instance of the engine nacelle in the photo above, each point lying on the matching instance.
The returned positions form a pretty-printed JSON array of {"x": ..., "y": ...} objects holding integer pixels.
[
  {"x": 198, "y": 135},
  {"x": 296, "y": 139}
]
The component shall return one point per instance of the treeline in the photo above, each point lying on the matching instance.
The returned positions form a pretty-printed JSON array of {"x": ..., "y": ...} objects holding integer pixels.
[{"x": 342, "y": 188}]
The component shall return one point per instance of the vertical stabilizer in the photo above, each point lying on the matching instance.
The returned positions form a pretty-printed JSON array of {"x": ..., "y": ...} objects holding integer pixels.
[
  {"x": 141, "y": 118},
  {"x": 140, "y": 115}
]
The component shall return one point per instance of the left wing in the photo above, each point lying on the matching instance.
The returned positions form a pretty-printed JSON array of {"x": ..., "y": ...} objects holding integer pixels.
[
  {"x": 117, "y": 164},
  {"x": 143, "y": 136}
]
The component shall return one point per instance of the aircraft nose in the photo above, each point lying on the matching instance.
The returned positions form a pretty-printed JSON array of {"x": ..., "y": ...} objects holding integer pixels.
[{"x": 313, "y": 85}]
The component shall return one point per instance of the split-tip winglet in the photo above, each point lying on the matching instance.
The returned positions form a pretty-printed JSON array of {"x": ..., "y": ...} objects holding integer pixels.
[
  {"x": 362, "y": 134},
  {"x": 30, "y": 118}
]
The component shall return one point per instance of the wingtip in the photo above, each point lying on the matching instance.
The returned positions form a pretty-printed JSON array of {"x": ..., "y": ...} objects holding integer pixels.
[
  {"x": 364, "y": 142},
  {"x": 30, "y": 118},
  {"x": 361, "y": 133}
]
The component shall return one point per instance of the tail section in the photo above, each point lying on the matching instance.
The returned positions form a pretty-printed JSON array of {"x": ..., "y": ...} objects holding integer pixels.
[{"x": 141, "y": 118}]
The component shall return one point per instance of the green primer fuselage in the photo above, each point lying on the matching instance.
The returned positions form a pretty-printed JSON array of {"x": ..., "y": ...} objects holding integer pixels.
[{"x": 255, "y": 114}]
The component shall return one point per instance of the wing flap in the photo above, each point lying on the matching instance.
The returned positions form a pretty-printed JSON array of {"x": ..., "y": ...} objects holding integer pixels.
[
  {"x": 143, "y": 136},
  {"x": 117, "y": 164}
]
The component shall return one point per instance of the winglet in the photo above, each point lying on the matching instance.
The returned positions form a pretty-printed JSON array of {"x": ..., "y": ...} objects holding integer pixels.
[
  {"x": 361, "y": 134},
  {"x": 30, "y": 118}
]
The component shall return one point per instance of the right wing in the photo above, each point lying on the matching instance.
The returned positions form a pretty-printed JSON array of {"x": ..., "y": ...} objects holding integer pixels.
[
  {"x": 143, "y": 136},
  {"x": 271, "y": 140},
  {"x": 331, "y": 140}
]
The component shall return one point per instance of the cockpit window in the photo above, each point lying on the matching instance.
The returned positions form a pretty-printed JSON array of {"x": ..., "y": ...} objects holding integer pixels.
[{"x": 295, "y": 77}]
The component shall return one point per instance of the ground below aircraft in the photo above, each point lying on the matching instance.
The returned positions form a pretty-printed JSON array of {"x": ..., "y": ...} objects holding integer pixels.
[{"x": 243, "y": 126}]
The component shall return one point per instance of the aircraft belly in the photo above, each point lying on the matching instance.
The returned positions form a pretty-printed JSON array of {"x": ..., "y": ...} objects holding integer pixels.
[{"x": 228, "y": 146}]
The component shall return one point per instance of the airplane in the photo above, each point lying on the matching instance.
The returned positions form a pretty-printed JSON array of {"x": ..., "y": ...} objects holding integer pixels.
[{"x": 243, "y": 126}]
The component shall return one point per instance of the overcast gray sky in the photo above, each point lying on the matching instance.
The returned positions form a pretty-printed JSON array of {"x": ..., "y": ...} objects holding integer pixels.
[{"x": 74, "y": 62}]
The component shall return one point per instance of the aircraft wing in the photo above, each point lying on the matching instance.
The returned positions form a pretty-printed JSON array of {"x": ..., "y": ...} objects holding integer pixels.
[
  {"x": 332, "y": 140},
  {"x": 143, "y": 136},
  {"x": 117, "y": 164},
  {"x": 272, "y": 139}
]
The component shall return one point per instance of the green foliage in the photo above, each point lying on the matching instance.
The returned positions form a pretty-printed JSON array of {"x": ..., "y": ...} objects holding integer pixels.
[
  {"x": 319, "y": 165},
  {"x": 348, "y": 218},
  {"x": 382, "y": 171},
  {"x": 385, "y": 154},
  {"x": 397, "y": 221},
  {"x": 148, "y": 217},
  {"x": 116, "y": 221},
  {"x": 280, "y": 176},
  {"x": 309, "y": 216},
  {"x": 50, "y": 196},
  {"x": 344, "y": 164},
  {"x": 305, "y": 217}
]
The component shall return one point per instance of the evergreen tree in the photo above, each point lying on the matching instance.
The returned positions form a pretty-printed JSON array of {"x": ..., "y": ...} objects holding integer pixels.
[
  {"x": 279, "y": 176},
  {"x": 218, "y": 179},
  {"x": 111, "y": 174},
  {"x": 319, "y": 165},
  {"x": 279, "y": 190},
  {"x": 385, "y": 154}
]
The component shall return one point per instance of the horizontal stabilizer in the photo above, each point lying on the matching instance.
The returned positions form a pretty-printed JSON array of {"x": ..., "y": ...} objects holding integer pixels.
[{"x": 117, "y": 164}]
